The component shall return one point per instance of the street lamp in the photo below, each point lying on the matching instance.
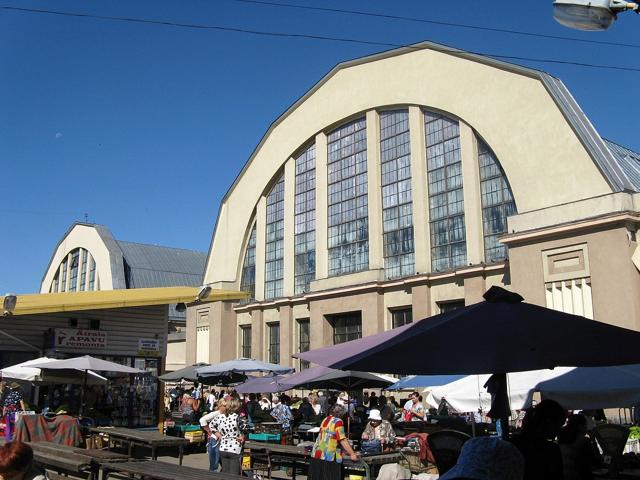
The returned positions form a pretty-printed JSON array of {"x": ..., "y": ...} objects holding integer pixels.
[{"x": 590, "y": 14}]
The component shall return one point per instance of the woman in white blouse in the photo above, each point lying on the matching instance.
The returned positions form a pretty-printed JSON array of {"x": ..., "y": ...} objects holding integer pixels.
[{"x": 229, "y": 428}]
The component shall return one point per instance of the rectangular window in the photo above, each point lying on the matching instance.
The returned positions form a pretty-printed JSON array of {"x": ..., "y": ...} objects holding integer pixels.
[
  {"x": 346, "y": 327},
  {"x": 245, "y": 342},
  {"x": 348, "y": 223},
  {"x": 401, "y": 316},
  {"x": 274, "y": 247},
  {"x": 304, "y": 340},
  {"x": 274, "y": 342},
  {"x": 446, "y": 202},
  {"x": 449, "y": 306},
  {"x": 305, "y": 220},
  {"x": 397, "y": 219},
  {"x": 497, "y": 203}
]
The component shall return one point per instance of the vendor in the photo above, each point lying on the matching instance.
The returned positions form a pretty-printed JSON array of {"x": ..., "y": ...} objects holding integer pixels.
[{"x": 379, "y": 429}]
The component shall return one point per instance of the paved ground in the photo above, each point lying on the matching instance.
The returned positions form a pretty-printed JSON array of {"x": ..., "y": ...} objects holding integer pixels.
[{"x": 201, "y": 460}]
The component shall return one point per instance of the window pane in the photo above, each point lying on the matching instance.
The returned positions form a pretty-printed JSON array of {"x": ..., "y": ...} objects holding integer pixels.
[
  {"x": 248, "y": 280},
  {"x": 397, "y": 218},
  {"x": 348, "y": 232},
  {"x": 497, "y": 203},
  {"x": 346, "y": 327},
  {"x": 446, "y": 200},
  {"x": 304, "y": 240},
  {"x": 274, "y": 247}
]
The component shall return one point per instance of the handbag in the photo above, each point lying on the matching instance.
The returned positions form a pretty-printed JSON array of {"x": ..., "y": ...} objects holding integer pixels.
[{"x": 370, "y": 446}]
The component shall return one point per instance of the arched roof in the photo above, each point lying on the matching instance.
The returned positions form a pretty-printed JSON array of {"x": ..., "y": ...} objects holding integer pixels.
[{"x": 606, "y": 162}]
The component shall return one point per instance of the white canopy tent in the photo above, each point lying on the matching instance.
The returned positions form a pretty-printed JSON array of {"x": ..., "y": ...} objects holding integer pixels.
[
  {"x": 26, "y": 373},
  {"x": 575, "y": 388},
  {"x": 468, "y": 394}
]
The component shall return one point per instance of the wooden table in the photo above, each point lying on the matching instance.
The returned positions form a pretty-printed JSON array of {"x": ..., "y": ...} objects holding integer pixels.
[
  {"x": 71, "y": 459},
  {"x": 154, "y": 470},
  {"x": 152, "y": 440},
  {"x": 291, "y": 455}
]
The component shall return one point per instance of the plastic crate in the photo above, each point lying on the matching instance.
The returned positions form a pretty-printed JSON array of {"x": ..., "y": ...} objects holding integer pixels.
[{"x": 265, "y": 437}]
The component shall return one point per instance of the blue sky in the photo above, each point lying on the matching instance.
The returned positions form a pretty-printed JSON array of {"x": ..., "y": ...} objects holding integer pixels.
[{"x": 144, "y": 127}]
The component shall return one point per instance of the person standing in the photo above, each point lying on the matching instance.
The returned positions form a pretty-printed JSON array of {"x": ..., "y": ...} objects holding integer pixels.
[
  {"x": 327, "y": 453},
  {"x": 12, "y": 403},
  {"x": 213, "y": 444},
  {"x": 281, "y": 412},
  {"x": 413, "y": 409},
  {"x": 229, "y": 428}
]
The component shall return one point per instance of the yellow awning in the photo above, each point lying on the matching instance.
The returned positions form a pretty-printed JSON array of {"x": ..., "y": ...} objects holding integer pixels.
[{"x": 136, "y": 297}]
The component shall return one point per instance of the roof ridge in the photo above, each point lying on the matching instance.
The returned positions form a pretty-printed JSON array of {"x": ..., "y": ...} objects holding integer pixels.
[{"x": 161, "y": 246}]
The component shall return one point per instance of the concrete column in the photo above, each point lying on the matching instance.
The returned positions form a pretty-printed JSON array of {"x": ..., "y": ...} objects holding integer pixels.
[
  {"x": 191, "y": 334},
  {"x": 373, "y": 313},
  {"x": 320, "y": 331},
  {"x": 419, "y": 191},
  {"x": 471, "y": 189},
  {"x": 287, "y": 335},
  {"x": 223, "y": 332},
  {"x": 322, "y": 262},
  {"x": 420, "y": 302},
  {"x": 289, "y": 225},
  {"x": 376, "y": 257},
  {"x": 261, "y": 235},
  {"x": 474, "y": 288},
  {"x": 257, "y": 334}
]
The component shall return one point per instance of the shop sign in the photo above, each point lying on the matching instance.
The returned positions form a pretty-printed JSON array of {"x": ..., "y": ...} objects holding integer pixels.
[
  {"x": 148, "y": 347},
  {"x": 80, "y": 338}
]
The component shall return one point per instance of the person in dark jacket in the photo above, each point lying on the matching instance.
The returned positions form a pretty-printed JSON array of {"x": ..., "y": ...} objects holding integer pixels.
[{"x": 542, "y": 457}]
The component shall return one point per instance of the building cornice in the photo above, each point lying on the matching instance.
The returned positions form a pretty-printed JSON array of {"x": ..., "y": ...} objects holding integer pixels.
[
  {"x": 537, "y": 234},
  {"x": 381, "y": 286}
]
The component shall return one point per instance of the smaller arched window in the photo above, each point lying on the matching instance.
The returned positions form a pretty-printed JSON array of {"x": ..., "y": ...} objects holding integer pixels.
[
  {"x": 248, "y": 278},
  {"x": 497, "y": 203},
  {"x": 76, "y": 273}
]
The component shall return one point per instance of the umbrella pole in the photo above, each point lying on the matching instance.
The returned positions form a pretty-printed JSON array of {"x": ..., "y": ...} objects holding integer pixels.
[{"x": 84, "y": 387}]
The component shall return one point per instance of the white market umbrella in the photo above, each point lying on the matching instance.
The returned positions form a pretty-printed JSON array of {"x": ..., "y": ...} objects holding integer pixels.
[
  {"x": 85, "y": 364},
  {"x": 27, "y": 373},
  {"x": 468, "y": 393}
]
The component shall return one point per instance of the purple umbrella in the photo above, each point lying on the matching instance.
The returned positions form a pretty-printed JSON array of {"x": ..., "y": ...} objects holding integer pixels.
[
  {"x": 268, "y": 384},
  {"x": 517, "y": 336},
  {"x": 322, "y": 377}
]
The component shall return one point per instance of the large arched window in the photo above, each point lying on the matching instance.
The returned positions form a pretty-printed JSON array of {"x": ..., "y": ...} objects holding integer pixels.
[
  {"x": 305, "y": 220},
  {"x": 76, "y": 273},
  {"x": 397, "y": 219},
  {"x": 497, "y": 203},
  {"x": 274, "y": 246},
  {"x": 446, "y": 201},
  {"x": 248, "y": 278},
  {"x": 348, "y": 232}
]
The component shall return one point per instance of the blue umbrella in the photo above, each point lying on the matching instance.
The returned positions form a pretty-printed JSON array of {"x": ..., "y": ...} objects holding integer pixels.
[{"x": 422, "y": 381}]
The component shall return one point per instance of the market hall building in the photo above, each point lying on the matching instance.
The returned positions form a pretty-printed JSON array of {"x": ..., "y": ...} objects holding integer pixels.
[
  {"x": 407, "y": 183},
  {"x": 89, "y": 258}
]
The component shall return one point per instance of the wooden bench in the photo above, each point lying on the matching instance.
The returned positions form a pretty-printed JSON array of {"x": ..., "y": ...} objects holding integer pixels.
[{"x": 154, "y": 470}]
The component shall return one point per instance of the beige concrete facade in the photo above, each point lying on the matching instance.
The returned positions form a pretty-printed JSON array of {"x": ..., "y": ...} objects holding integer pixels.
[{"x": 570, "y": 244}]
